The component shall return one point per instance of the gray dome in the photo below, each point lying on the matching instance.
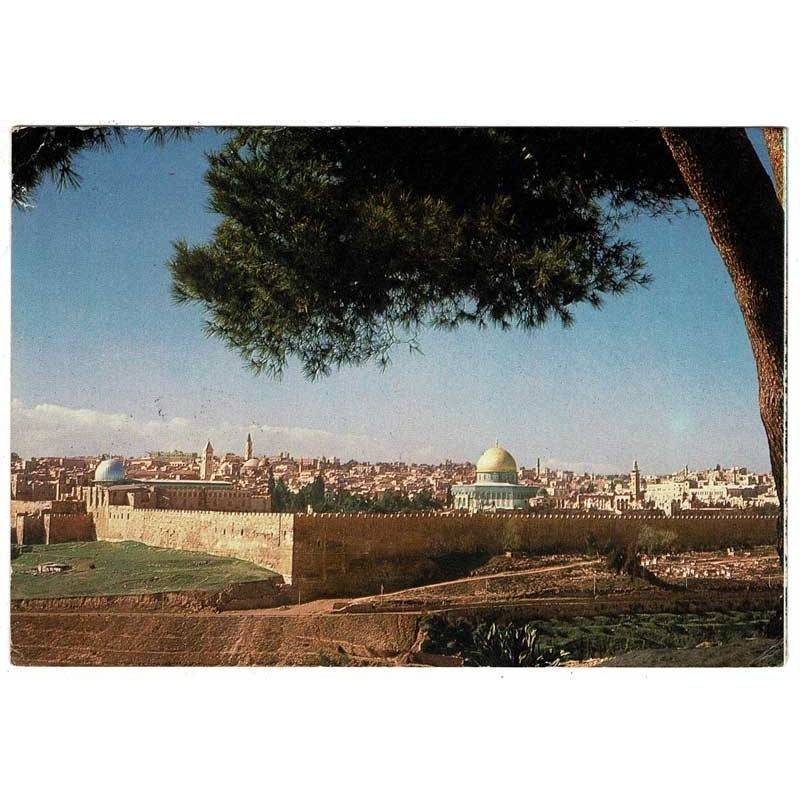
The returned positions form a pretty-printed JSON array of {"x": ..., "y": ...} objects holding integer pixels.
[
  {"x": 251, "y": 463},
  {"x": 109, "y": 471}
]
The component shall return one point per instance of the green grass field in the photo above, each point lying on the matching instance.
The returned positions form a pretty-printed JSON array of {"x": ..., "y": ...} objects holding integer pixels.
[{"x": 111, "y": 568}]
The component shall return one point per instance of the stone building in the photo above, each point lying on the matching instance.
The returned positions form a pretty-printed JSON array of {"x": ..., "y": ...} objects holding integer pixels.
[
  {"x": 496, "y": 486},
  {"x": 112, "y": 488},
  {"x": 24, "y": 487}
]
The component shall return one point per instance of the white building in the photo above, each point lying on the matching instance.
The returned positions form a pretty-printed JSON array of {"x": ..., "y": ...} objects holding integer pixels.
[{"x": 496, "y": 486}]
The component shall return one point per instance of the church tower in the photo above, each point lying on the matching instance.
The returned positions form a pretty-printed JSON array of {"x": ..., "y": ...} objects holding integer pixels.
[
  {"x": 636, "y": 482},
  {"x": 207, "y": 463},
  {"x": 248, "y": 448}
]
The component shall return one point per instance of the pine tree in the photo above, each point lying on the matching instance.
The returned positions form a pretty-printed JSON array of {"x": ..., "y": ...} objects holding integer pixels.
[
  {"x": 40, "y": 151},
  {"x": 317, "y": 493},
  {"x": 337, "y": 244}
]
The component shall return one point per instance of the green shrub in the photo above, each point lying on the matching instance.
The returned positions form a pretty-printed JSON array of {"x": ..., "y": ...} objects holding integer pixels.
[
  {"x": 511, "y": 538},
  {"x": 653, "y": 541},
  {"x": 509, "y": 645},
  {"x": 445, "y": 637},
  {"x": 489, "y": 644}
]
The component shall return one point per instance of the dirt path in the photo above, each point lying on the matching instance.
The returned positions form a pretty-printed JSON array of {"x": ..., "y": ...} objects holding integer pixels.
[
  {"x": 312, "y": 608},
  {"x": 401, "y": 593},
  {"x": 342, "y": 604}
]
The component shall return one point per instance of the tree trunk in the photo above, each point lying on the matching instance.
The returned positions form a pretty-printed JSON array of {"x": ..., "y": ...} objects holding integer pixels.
[
  {"x": 745, "y": 219},
  {"x": 774, "y": 140}
]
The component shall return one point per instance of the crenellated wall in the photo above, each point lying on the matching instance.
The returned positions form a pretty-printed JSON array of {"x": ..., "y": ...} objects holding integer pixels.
[
  {"x": 60, "y": 527},
  {"x": 28, "y": 507},
  {"x": 29, "y": 529},
  {"x": 347, "y": 554},
  {"x": 49, "y": 527},
  {"x": 352, "y": 554},
  {"x": 261, "y": 537}
]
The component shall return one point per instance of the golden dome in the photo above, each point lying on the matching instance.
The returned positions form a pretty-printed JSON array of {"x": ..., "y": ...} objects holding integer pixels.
[{"x": 497, "y": 459}]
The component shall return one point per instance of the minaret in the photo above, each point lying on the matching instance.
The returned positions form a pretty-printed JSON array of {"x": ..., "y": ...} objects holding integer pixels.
[
  {"x": 248, "y": 448},
  {"x": 538, "y": 468},
  {"x": 207, "y": 462},
  {"x": 636, "y": 481}
]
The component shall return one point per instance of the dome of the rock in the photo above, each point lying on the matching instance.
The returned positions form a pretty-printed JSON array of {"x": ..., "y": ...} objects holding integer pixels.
[
  {"x": 497, "y": 459},
  {"x": 496, "y": 487}
]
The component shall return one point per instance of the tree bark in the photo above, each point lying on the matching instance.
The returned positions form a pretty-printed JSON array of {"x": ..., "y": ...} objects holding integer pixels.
[
  {"x": 746, "y": 222},
  {"x": 774, "y": 140}
]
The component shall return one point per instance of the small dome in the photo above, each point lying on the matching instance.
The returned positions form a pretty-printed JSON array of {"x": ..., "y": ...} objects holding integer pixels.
[
  {"x": 251, "y": 463},
  {"x": 497, "y": 459},
  {"x": 109, "y": 471}
]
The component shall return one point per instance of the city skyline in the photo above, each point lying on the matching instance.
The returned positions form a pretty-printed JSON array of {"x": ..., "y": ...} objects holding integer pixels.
[
  {"x": 102, "y": 361},
  {"x": 221, "y": 454},
  {"x": 496, "y": 481}
]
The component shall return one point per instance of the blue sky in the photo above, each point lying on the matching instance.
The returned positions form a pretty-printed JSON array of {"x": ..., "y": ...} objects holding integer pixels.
[{"x": 103, "y": 361}]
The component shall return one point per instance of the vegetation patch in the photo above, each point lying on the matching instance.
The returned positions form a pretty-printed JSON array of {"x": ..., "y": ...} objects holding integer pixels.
[
  {"x": 654, "y": 541},
  {"x": 486, "y": 644},
  {"x": 320, "y": 499},
  {"x": 489, "y": 644},
  {"x": 740, "y": 653},
  {"x": 124, "y": 568}
]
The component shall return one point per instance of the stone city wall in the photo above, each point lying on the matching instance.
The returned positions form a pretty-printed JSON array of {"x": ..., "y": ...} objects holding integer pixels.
[
  {"x": 28, "y": 507},
  {"x": 261, "y": 537},
  {"x": 68, "y": 528},
  {"x": 47, "y": 527},
  {"x": 28, "y": 529},
  {"x": 352, "y": 554}
]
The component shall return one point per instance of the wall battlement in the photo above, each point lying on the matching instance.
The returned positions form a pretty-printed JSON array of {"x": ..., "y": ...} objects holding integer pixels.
[
  {"x": 709, "y": 514},
  {"x": 123, "y": 509}
]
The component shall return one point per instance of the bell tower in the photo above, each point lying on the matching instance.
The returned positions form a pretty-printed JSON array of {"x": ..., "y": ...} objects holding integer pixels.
[{"x": 207, "y": 462}]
